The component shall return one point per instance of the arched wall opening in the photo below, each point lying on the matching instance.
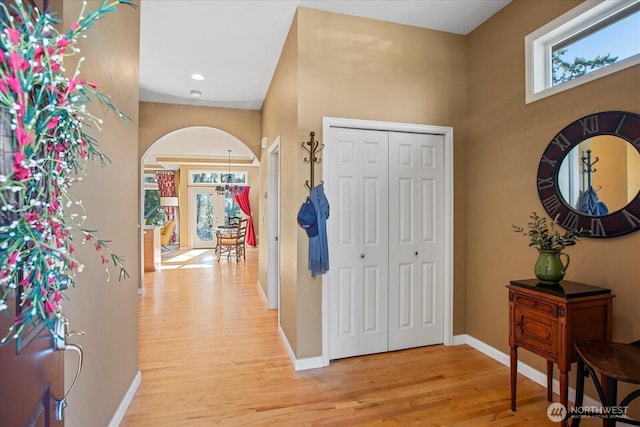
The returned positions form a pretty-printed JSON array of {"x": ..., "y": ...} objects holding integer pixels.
[{"x": 196, "y": 149}]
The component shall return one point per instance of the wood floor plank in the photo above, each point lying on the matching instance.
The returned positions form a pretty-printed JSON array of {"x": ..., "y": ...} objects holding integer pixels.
[{"x": 210, "y": 354}]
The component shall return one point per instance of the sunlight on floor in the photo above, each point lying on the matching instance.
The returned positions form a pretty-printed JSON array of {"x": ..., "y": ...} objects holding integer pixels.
[
  {"x": 191, "y": 259},
  {"x": 187, "y": 255},
  {"x": 197, "y": 266}
]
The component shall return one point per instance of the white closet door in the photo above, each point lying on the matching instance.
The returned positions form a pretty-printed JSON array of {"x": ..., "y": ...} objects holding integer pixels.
[
  {"x": 358, "y": 232},
  {"x": 416, "y": 249}
]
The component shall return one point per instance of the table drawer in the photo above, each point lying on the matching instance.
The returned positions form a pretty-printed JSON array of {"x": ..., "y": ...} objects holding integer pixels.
[{"x": 544, "y": 307}]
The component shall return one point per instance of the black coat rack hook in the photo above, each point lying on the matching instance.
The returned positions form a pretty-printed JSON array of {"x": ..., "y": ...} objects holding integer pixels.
[
  {"x": 312, "y": 147},
  {"x": 588, "y": 166}
]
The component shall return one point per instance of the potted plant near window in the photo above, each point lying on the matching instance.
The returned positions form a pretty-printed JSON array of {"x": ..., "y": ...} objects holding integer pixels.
[{"x": 549, "y": 268}]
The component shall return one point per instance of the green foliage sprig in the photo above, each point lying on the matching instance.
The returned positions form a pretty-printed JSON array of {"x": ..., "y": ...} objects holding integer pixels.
[
  {"x": 545, "y": 236},
  {"x": 563, "y": 70},
  {"x": 43, "y": 109}
]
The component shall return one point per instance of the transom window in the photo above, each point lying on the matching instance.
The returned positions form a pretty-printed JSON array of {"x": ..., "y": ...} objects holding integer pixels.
[
  {"x": 588, "y": 42},
  {"x": 218, "y": 177}
]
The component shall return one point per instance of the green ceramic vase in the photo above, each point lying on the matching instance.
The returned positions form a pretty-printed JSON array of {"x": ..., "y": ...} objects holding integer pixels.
[{"x": 549, "y": 267}]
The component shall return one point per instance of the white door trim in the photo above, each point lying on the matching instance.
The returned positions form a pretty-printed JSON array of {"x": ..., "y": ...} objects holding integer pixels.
[
  {"x": 447, "y": 133},
  {"x": 273, "y": 226}
]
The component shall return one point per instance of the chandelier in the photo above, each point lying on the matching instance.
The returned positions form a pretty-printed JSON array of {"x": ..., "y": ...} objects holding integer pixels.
[{"x": 223, "y": 190}]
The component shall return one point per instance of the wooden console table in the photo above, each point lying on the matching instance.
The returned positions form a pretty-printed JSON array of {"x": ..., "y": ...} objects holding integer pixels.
[
  {"x": 549, "y": 320},
  {"x": 152, "y": 252}
]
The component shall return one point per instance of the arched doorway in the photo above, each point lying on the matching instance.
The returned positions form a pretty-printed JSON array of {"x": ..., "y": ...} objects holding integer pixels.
[{"x": 190, "y": 154}]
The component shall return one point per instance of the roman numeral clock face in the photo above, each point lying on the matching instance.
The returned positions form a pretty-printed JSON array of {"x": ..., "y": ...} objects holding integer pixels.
[{"x": 589, "y": 174}]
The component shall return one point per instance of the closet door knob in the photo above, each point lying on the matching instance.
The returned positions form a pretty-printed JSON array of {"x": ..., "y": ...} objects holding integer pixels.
[
  {"x": 361, "y": 256},
  {"x": 416, "y": 254}
]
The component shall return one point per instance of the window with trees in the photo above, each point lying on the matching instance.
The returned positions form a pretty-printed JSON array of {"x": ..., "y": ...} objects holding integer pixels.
[
  {"x": 153, "y": 212},
  {"x": 588, "y": 42}
]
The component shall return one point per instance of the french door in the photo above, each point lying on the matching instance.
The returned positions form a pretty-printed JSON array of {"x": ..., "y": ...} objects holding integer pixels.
[{"x": 206, "y": 209}]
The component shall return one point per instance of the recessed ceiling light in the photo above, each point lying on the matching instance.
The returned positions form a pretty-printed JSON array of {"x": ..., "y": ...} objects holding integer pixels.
[
  {"x": 197, "y": 76},
  {"x": 196, "y": 93}
]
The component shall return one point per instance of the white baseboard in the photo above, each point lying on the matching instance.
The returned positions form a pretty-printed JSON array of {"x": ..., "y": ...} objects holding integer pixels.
[
  {"x": 523, "y": 368},
  {"x": 126, "y": 401},
  {"x": 263, "y": 297},
  {"x": 459, "y": 339},
  {"x": 300, "y": 364},
  {"x": 141, "y": 291}
]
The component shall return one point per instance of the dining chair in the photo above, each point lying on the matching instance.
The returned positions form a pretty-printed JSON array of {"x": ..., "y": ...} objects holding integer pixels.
[{"x": 232, "y": 241}]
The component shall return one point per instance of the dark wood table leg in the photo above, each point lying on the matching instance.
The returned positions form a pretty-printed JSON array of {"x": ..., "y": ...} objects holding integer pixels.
[
  {"x": 549, "y": 381},
  {"x": 579, "y": 391},
  {"x": 514, "y": 375},
  {"x": 611, "y": 394},
  {"x": 564, "y": 391}
]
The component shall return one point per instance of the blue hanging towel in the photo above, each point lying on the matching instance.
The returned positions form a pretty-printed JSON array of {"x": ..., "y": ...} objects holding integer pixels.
[
  {"x": 318, "y": 246},
  {"x": 590, "y": 205}
]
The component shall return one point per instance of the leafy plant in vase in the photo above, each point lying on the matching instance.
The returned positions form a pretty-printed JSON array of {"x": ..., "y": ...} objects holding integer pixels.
[{"x": 550, "y": 244}]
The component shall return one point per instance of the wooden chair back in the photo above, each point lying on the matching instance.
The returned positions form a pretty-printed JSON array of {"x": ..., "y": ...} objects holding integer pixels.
[{"x": 233, "y": 241}]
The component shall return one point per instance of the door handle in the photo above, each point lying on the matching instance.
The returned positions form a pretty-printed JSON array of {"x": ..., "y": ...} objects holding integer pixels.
[
  {"x": 60, "y": 343},
  {"x": 361, "y": 256}
]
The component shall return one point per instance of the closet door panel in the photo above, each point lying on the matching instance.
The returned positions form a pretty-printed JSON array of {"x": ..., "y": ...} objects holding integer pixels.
[
  {"x": 346, "y": 212},
  {"x": 371, "y": 221},
  {"x": 406, "y": 296},
  {"x": 416, "y": 177},
  {"x": 344, "y": 274},
  {"x": 428, "y": 210},
  {"x": 374, "y": 243},
  {"x": 358, "y": 279},
  {"x": 346, "y": 294},
  {"x": 429, "y": 292},
  {"x": 405, "y": 211},
  {"x": 374, "y": 319}
]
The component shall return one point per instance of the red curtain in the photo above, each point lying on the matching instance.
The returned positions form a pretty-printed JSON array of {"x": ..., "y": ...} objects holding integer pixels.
[
  {"x": 241, "y": 197},
  {"x": 167, "y": 188}
]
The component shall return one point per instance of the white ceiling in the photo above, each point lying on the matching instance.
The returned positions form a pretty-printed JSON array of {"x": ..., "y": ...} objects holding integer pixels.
[{"x": 236, "y": 44}]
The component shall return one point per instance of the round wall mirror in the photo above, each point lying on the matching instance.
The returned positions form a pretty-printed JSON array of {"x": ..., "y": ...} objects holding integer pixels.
[{"x": 589, "y": 174}]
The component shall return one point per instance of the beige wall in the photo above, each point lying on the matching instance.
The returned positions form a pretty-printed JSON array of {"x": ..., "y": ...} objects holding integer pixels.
[
  {"x": 280, "y": 119},
  {"x": 157, "y": 120},
  {"x": 107, "y": 311},
  {"x": 506, "y": 139},
  {"x": 364, "y": 69}
]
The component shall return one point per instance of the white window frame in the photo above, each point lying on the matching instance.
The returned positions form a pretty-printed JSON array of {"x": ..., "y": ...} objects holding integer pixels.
[
  {"x": 538, "y": 47},
  {"x": 149, "y": 185}
]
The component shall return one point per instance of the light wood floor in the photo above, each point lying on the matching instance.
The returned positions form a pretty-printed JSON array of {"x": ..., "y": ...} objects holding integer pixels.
[{"x": 210, "y": 354}]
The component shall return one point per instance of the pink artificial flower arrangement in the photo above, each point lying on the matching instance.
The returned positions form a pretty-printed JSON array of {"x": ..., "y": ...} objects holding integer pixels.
[{"x": 43, "y": 149}]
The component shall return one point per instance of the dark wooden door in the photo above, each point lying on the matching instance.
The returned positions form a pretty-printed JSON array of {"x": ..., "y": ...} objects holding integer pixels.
[
  {"x": 31, "y": 377},
  {"x": 31, "y": 371}
]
